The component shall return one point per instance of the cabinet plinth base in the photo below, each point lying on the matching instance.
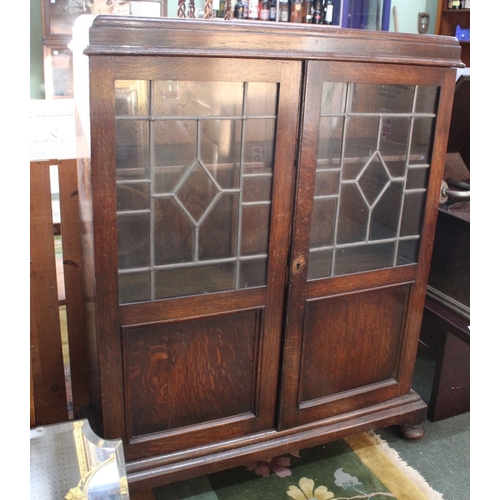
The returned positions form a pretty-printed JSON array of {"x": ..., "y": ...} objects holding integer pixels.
[{"x": 406, "y": 411}]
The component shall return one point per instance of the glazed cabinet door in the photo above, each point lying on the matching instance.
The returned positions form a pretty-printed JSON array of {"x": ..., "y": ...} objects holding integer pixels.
[
  {"x": 192, "y": 191},
  {"x": 368, "y": 187}
]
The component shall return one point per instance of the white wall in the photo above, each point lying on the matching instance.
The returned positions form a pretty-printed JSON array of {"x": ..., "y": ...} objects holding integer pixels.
[{"x": 408, "y": 14}]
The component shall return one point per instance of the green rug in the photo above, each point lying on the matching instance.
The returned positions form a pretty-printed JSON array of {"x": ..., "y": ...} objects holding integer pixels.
[{"x": 362, "y": 466}]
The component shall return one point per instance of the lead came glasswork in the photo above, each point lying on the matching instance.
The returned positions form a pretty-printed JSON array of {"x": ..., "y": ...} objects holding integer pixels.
[
  {"x": 194, "y": 179},
  {"x": 373, "y": 159}
]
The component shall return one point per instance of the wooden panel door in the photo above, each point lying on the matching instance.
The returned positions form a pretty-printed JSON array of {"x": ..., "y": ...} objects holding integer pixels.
[
  {"x": 368, "y": 187},
  {"x": 192, "y": 197}
]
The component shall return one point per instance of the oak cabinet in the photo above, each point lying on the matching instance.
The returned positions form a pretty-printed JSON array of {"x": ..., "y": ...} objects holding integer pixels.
[{"x": 258, "y": 207}]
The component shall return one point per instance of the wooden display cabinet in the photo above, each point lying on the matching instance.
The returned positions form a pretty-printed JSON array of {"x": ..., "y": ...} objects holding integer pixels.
[{"x": 258, "y": 205}]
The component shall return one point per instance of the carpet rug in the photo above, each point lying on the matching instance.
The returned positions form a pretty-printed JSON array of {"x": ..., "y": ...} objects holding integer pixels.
[{"x": 358, "y": 467}]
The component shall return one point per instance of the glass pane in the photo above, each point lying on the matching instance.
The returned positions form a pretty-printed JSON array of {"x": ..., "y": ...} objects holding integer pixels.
[
  {"x": 408, "y": 252},
  {"x": 361, "y": 140},
  {"x": 133, "y": 240},
  {"x": 221, "y": 150},
  {"x": 218, "y": 237},
  {"x": 427, "y": 99},
  {"x": 353, "y": 216},
  {"x": 417, "y": 178},
  {"x": 210, "y": 213},
  {"x": 175, "y": 142},
  {"x": 323, "y": 222},
  {"x": 330, "y": 141},
  {"x": 179, "y": 98},
  {"x": 373, "y": 157},
  {"x": 261, "y": 99},
  {"x": 259, "y": 145},
  {"x": 333, "y": 98},
  {"x": 177, "y": 282},
  {"x": 132, "y": 98},
  {"x": 197, "y": 192},
  {"x": 132, "y": 196},
  {"x": 372, "y": 98},
  {"x": 253, "y": 273},
  {"x": 173, "y": 233},
  {"x": 422, "y": 140},
  {"x": 385, "y": 216},
  {"x": 413, "y": 213},
  {"x": 257, "y": 188},
  {"x": 320, "y": 264},
  {"x": 394, "y": 143},
  {"x": 364, "y": 258},
  {"x": 134, "y": 287},
  {"x": 255, "y": 229},
  {"x": 132, "y": 151},
  {"x": 327, "y": 183}
]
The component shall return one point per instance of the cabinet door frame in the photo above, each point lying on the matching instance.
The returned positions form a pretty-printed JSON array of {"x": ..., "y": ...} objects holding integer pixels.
[
  {"x": 111, "y": 318},
  {"x": 414, "y": 276}
]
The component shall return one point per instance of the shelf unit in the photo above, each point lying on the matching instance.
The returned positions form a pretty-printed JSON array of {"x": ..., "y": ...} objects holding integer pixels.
[{"x": 446, "y": 24}]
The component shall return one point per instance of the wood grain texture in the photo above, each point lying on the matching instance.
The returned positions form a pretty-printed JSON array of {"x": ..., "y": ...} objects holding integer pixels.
[
  {"x": 49, "y": 386},
  {"x": 73, "y": 283}
]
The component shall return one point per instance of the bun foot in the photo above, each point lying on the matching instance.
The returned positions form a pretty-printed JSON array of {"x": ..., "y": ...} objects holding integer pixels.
[{"x": 412, "y": 432}]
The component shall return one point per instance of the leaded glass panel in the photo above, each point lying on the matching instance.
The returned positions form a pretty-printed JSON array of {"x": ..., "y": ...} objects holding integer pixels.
[
  {"x": 373, "y": 158},
  {"x": 194, "y": 179}
]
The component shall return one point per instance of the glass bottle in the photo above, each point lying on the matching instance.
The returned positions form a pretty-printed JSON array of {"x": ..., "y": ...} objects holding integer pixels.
[
  {"x": 272, "y": 10},
  {"x": 239, "y": 10},
  {"x": 264, "y": 10},
  {"x": 317, "y": 12},
  {"x": 283, "y": 14},
  {"x": 297, "y": 11},
  {"x": 309, "y": 11},
  {"x": 245, "y": 9},
  {"x": 253, "y": 9},
  {"x": 328, "y": 12}
]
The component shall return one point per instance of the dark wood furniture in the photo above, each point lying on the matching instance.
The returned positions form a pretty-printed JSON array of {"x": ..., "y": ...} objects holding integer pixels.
[
  {"x": 445, "y": 326},
  {"x": 258, "y": 206},
  {"x": 446, "y": 24}
]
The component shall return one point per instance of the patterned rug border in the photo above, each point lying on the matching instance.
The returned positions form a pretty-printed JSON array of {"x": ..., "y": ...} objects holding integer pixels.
[
  {"x": 405, "y": 482},
  {"x": 386, "y": 463}
]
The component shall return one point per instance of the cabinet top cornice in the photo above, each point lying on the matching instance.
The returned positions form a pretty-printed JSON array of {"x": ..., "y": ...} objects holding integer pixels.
[{"x": 167, "y": 36}]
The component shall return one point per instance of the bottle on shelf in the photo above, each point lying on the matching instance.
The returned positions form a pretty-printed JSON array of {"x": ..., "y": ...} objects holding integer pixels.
[
  {"x": 328, "y": 12},
  {"x": 309, "y": 11},
  {"x": 245, "y": 9},
  {"x": 222, "y": 9},
  {"x": 239, "y": 10},
  {"x": 264, "y": 10},
  {"x": 297, "y": 11},
  {"x": 283, "y": 11},
  {"x": 317, "y": 12},
  {"x": 272, "y": 10},
  {"x": 253, "y": 9}
]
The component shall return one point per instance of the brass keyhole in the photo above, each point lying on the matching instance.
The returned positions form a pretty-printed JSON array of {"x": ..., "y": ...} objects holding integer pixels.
[{"x": 298, "y": 264}]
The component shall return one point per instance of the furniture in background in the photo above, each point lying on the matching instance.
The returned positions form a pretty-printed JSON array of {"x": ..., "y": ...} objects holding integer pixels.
[
  {"x": 58, "y": 17},
  {"x": 447, "y": 21},
  {"x": 445, "y": 328},
  {"x": 258, "y": 212}
]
